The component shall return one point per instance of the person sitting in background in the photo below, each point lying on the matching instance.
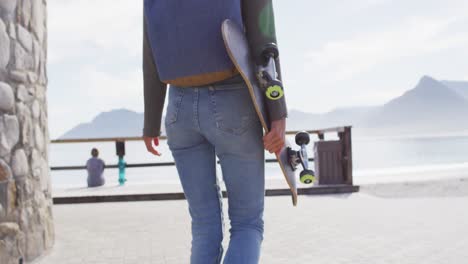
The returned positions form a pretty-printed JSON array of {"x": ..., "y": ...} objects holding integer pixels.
[{"x": 95, "y": 167}]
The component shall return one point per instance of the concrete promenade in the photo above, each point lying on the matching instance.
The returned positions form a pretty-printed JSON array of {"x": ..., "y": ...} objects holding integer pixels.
[{"x": 326, "y": 229}]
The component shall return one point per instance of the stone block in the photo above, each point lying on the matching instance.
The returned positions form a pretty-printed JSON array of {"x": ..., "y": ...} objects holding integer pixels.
[
  {"x": 43, "y": 116},
  {"x": 32, "y": 77},
  {"x": 34, "y": 245},
  {"x": 19, "y": 163},
  {"x": 25, "y": 12},
  {"x": 7, "y": 159},
  {"x": 37, "y": 164},
  {"x": 9, "y": 230},
  {"x": 27, "y": 220},
  {"x": 8, "y": 253},
  {"x": 25, "y": 38},
  {"x": 12, "y": 30},
  {"x": 24, "y": 94},
  {"x": 19, "y": 76},
  {"x": 7, "y": 9},
  {"x": 38, "y": 20},
  {"x": 49, "y": 233},
  {"x": 4, "y": 148},
  {"x": 23, "y": 59},
  {"x": 24, "y": 116},
  {"x": 4, "y": 196},
  {"x": 7, "y": 97},
  {"x": 8, "y": 197},
  {"x": 11, "y": 203},
  {"x": 9, "y": 133},
  {"x": 45, "y": 178},
  {"x": 35, "y": 109},
  {"x": 5, "y": 171},
  {"x": 12, "y": 129},
  {"x": 10, "y": 235},
  {"x": 39, "y": 200},
  {"x": 5, "y": 46},
  {"x": 40, "y": 92},
  {"x": 39, "y": 138},
  {"x": 42, "y": 72},
  {"x": 24, "y": 191},
  {"x": 37, "y": 48},
  {"x": 21, "y": 190}
]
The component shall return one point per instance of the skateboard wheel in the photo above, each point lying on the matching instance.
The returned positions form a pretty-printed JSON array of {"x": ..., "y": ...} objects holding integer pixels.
[
  {"x": 270, "y": 50},
  {"x": 274, "y": 92},
  {"x": 302, "y": 138},
  {"x": 307, "y": 176}
]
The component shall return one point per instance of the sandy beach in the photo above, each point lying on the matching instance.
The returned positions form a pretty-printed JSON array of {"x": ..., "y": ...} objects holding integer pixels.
[{"x": 406, "y": 222}]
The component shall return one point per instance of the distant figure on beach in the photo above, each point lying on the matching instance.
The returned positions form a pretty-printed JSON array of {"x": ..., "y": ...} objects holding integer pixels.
[{"x": 95, "y": 167}]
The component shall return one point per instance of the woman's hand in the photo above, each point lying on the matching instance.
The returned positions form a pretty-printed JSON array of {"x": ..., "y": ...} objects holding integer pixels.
[
  {"x": 275, "y": 139},
  {"x": 149, "y": 145}
]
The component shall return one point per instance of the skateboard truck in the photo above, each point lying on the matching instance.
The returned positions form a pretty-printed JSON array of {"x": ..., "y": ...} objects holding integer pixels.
[
  {"x": 267, "y": 74},
  {"x": 300, "y": 157}
]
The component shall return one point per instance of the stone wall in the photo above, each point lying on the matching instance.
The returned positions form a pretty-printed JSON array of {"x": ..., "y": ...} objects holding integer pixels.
[{"x": 26, "y": 225}]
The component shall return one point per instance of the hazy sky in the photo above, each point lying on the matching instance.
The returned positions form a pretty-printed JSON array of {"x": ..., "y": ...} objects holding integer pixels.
[{"x": 334, "y": 53}]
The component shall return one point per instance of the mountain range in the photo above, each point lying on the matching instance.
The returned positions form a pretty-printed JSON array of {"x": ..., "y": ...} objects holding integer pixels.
[{"x": 431, "y": 107}]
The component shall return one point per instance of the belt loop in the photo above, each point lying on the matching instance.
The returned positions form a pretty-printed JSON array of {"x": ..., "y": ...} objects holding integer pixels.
[{"x": 211, "y": 88}]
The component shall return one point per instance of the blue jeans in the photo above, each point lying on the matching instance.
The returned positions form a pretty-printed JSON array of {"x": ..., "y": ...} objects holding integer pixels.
[{"x": 219, "y": 120}]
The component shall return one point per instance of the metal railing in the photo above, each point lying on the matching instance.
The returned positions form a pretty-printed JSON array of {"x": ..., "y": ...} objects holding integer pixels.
[{"x": 344, "y": 135}]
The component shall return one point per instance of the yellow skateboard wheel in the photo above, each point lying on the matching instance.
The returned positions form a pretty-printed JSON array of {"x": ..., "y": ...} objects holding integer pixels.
[
  {"x": 307, "y": 177},
  {"x": 274, "y": 92}
]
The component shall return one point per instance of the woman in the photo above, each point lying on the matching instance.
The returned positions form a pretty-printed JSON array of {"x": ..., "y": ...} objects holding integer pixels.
[
  {"x": 209, "y": 114},
  {"x": 95, "y": 167}
]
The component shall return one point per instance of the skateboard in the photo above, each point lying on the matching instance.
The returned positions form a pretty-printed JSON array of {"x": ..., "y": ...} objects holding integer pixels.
[{"x": 263, "y": 85}]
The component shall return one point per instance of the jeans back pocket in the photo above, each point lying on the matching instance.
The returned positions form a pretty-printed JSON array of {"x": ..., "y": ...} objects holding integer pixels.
[
  {"x": 233, "y": 109},
  {"x": 176, "y": 95}
]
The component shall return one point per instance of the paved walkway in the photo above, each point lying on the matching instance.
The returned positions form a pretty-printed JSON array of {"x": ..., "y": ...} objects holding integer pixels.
[{"x": 335, "y": 229}]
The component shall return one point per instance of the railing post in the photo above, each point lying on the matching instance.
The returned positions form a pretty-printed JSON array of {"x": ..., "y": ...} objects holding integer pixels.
[
  {"x": 345, "y": 138},
  {"x": 321, "y": 136},
  {"x": 120, "y": 151}
]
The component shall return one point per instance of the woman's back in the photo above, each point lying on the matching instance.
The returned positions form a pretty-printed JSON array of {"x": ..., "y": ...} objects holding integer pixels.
[{"x": 95, "y": 167}]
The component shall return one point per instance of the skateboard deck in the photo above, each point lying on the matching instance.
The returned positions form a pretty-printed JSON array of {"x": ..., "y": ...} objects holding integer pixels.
[{"x": 238, "y": 49}]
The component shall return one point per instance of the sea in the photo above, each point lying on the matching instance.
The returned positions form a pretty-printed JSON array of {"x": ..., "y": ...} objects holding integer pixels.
[{"x": 375, "y": 160}]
